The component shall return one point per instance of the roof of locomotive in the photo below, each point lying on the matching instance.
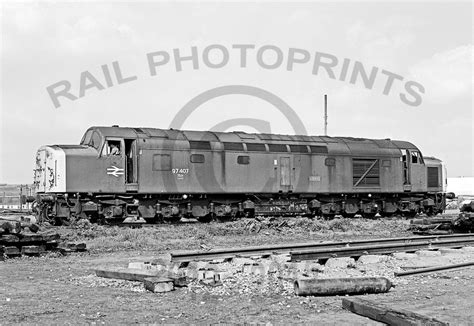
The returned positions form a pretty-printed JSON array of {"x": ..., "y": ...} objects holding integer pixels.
[{"x": 336, "y": 145}]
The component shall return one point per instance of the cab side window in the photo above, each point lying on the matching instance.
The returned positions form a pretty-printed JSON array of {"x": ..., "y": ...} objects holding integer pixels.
[
  {"x": 95, "y": 141},
  {"x": 87, "y": 138},
  {"x": 416, "y": 157},
  {"x": 112, "y": 148}
]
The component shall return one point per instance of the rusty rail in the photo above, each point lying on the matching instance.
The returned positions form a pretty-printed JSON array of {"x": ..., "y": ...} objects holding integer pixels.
[
  {"x": 380, "y": 249},
  {"x": 434, "y": 269},
  {"x": 325, "y": 250}
]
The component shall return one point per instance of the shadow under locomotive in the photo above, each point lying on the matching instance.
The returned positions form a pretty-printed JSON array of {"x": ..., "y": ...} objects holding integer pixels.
[{"x": 137, "y": 175}]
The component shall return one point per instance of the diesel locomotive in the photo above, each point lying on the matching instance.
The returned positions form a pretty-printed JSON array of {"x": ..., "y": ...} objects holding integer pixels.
[{"x": 137, "y": 175}]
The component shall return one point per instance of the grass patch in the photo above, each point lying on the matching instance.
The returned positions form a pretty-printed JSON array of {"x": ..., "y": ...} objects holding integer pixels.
[{"x": 243, "y": 232}]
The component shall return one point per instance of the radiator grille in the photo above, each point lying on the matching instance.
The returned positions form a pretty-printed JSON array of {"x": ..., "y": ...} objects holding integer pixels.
[
  {"x": 234, "y": 147},
  {"x": 255, "y": 147},
  {"x": 200, "y": 145},
  {"x": 433, "y": 180},
  {"x": 362, "y": 176}
]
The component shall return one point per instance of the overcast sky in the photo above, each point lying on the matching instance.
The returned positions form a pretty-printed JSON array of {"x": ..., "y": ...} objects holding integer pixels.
[{"x": 428, "y": 43}]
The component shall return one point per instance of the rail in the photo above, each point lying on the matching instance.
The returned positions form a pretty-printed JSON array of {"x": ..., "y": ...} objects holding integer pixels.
[{"x": 324, "y": 250}]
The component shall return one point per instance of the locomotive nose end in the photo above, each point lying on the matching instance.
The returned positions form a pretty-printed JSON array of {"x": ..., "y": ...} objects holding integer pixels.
[{"x": 50, "y": 169}]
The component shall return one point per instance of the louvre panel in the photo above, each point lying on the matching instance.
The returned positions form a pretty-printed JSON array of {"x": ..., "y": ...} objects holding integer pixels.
[
  {"x": 199, "y": 145},
  {"x": 360, "y": 166},
  {"x": 433, "y": 180},
  {"x": 277, "y": 148},
  {"x": 233, "y": 146},
  {"x": 319, "y": 149},
  {"x": 256, "y": 147},
  {"x": 299, "y": 148}
]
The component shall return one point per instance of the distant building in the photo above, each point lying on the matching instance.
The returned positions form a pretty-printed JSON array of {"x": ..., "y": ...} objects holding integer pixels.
[
  {"x": 461, "y": 186},
  {"x": 11, "y": 196}
]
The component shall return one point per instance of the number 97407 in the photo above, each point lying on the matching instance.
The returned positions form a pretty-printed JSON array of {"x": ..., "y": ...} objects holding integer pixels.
[{"x": 180, "y": 171}]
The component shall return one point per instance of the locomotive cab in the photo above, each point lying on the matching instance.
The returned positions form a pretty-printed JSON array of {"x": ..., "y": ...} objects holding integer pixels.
[
  {"x": 412, "y": 166},
  {"x": 413, "y": 169},
  {"x": 118, "y": 153}
]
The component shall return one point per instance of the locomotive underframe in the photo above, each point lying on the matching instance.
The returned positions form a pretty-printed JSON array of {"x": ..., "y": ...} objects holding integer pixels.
[{"x": 155, "y": 208}]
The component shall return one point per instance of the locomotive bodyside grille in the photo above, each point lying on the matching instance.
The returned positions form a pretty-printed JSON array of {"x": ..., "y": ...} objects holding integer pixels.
[
  {"x": 200, "y": 145},
  {"x": 233, "y": 146},
  {"x": 365, "y": 172},
  {"x": 433, "y": 180}
]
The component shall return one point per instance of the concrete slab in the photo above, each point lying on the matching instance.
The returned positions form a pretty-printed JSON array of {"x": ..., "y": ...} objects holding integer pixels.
[
  {"x": 404, "y": 256},
  {"x": 340, "y": 262},
  {"x": 428, "y": 253},
  {"x": 371, "y": 259},
  {"x": 451, "y": 251}
]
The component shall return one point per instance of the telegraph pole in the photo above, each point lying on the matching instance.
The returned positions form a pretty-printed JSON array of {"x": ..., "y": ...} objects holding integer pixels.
[{"x": 325, "y": 114}]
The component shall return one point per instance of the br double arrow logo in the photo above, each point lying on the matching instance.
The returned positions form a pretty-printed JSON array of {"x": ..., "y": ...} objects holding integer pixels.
[{"x": 115, "y": 171}]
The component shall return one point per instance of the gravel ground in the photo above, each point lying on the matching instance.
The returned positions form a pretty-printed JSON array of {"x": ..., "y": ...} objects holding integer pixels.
[{"x": 64, "y": 290}]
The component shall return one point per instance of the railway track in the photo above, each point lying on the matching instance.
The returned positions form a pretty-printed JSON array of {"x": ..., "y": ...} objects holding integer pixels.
[{"x": 325, "y": 250}]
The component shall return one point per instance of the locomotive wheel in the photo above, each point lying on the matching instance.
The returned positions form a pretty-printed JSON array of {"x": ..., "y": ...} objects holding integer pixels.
[
  {"x": 92, "y": 217},
  {"x": 172, "y": 219},
  {"x": 329, "y": 216},
  {"x": 206, "y": 218},
  {"x": 224, "y": 218},
  {"x": 103, "y": 221},
  {"x": 152, "y": 220},
  {"x": 44, "y": 216},
  {"x": 368, "y": 215},
  {"x": 249, "y": 213},
  {"x": 348, "y": 215},
  {"x": 410, "y": 214},
  {"x": 430, "y": 212},
  {"x": 385, "y": 214},
  {"x": 315, "y": 213}
]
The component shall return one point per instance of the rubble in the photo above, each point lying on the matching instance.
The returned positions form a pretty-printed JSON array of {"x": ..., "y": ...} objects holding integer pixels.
[
  {"x": 274, "y": 275},
  {"x": 158, "y": 284},
  {"x": 466, "y": 206},
  {"x": 371, "y": 259},
  {"x": 341, "y": 262}
]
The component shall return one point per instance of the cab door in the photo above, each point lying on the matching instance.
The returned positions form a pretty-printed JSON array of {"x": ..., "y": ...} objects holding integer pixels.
[
  {"x": 417, "y": 171},
  {"x": 406, "y": 170},
  {"x": 131, "y": 164},
  {"x": 112, "y": 161}
]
